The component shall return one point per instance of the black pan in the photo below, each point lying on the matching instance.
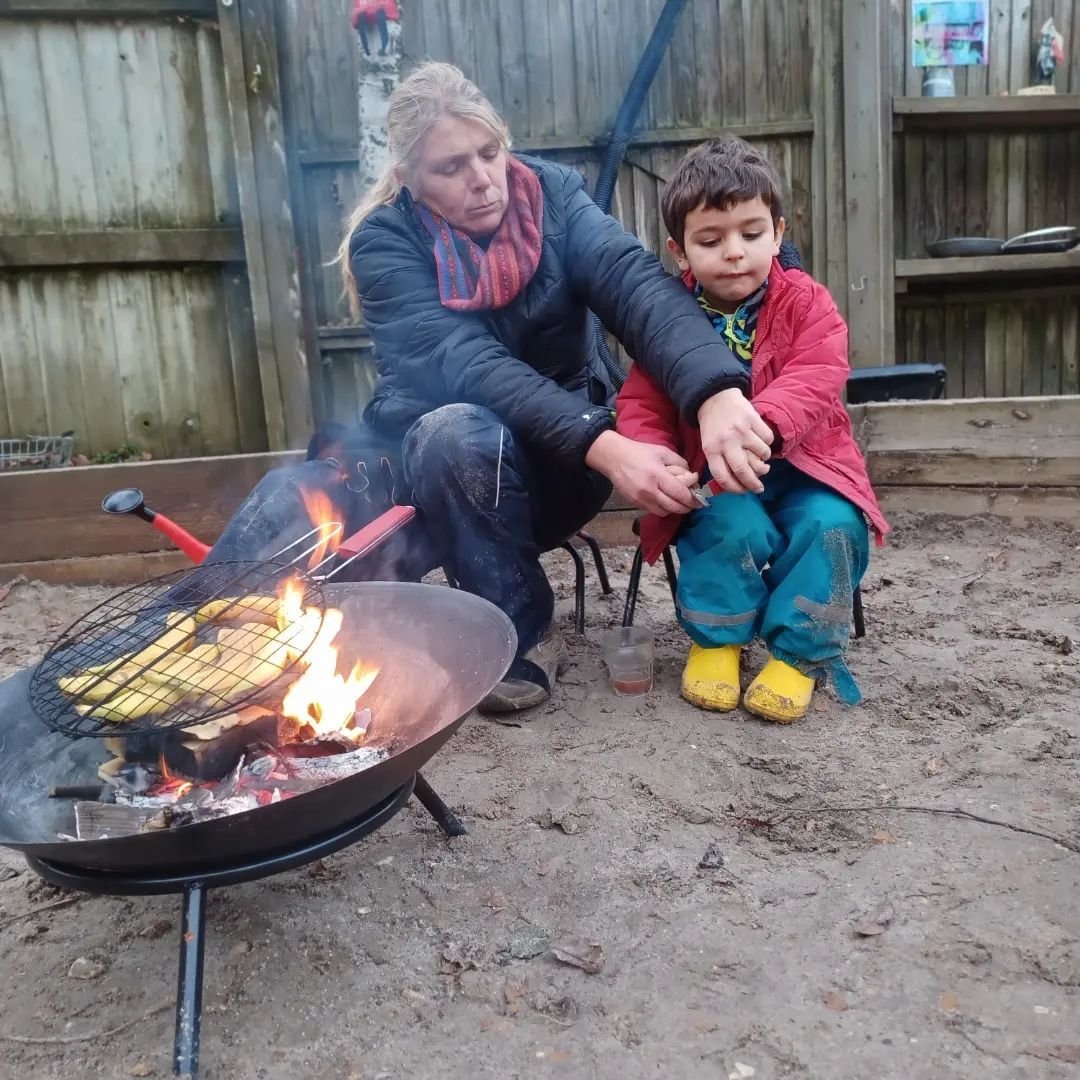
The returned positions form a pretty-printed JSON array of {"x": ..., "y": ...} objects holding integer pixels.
[
  {"x": 440, "y": 651},
  {"x": 964, "y": 247}
]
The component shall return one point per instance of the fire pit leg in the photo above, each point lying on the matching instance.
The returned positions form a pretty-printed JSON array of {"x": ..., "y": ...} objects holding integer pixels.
[
  {"x": 189, "y": 990},
  {"x": 444, "y": 817}
]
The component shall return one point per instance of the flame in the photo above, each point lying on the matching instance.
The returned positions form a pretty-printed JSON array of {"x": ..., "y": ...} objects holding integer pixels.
[
  {"x": 292, "y": 603},
  {"x": 325, "y": 521},
  {"x": 321, "y": 697}
]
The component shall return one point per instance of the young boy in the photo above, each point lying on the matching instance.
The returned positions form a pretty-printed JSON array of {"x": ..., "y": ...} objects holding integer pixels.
[{"x": 782, "y": 563}]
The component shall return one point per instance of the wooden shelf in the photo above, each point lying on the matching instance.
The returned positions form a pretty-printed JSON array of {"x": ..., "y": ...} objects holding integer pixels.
[
  {"x": 983, "y": 268},
  {"x": 987, "y": 113}
]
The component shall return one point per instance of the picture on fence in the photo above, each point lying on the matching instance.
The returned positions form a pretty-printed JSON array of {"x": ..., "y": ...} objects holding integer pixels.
[{"x": 948, "y": 33}]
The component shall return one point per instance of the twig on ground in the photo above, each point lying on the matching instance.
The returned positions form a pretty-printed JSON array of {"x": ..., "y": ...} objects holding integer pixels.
[
  {"x": 67, "y": 901},
  {"x": 62, "y": 1040},
  {"x": 943, "y": 811}
]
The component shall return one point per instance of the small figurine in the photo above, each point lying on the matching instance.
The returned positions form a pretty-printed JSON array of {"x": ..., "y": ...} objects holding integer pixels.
[
  {"x": 1051, "y": 53},
  {"x": 369, "y": 13}
]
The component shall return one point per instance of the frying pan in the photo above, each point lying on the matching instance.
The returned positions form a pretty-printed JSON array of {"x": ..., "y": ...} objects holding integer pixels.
[
  {"x": 1039, "y": 242},
  {"x": 440, "y": 651},
  {"x": 964, "y": 246}
]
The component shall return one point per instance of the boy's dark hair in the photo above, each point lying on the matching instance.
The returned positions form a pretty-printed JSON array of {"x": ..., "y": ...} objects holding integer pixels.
[{"x": 718, "y": 174}]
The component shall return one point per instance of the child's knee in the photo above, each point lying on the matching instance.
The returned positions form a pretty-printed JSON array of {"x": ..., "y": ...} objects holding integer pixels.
[
  {"x": 831, "y": 515},
  {"x": 730, "y": 526}
]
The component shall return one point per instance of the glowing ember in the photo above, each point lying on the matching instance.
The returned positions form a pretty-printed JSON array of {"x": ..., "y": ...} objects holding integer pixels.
[{"x": 175, "y": 786}]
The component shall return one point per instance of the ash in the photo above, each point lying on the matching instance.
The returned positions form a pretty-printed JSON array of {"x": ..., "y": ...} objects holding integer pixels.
[{"x": 269, "y": 776}]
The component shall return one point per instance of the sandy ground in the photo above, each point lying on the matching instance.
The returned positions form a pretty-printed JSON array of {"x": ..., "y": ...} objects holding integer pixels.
[{"x": 412, "y": 956}]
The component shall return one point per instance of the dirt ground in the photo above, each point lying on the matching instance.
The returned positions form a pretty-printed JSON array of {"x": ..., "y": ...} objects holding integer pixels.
[{"x": 411, "y": 956}]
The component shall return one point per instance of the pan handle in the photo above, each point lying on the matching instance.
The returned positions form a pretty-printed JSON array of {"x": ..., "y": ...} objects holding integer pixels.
[{"x": 373, "y": 534}]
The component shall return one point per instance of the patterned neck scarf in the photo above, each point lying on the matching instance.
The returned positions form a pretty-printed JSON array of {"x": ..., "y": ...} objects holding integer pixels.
[
  {"x": 740, "y": 327},
  {"x": 474, "y": 279}
]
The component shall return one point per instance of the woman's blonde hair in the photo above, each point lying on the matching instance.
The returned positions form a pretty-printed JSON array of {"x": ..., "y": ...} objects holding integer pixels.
[{"x": 431, "y": 91}]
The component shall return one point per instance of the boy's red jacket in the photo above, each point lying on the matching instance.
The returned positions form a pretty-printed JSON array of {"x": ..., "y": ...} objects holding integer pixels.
[{"x": 800, "y": 367}]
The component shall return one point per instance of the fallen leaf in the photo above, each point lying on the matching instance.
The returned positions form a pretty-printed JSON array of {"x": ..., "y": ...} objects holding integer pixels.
[
  {"x": 156, "y": 929},
  {"x": 527, "y": 944},
  {"x": 742, "y": 1072},
  {"x": 877, "y": 922},
  {"x": 713, "y": 858},
  {"x": 933, "y": 766},
  {"x": 1068, "y": 1053},
  {"x": 454, "y": 961},
  {"x": 495, "y": 1023},
  {"x": 705, "y": 1025},
  {"x": 83, "y": 968},
  {"x": 142, "y": 1068},
  {"x": 883, "y": 837},
  {"x": 697, "y": 815},
  {"x": 835, "y": 1001},
  {"x": 495, "y": 900},
  {"x": 948, "y": 1001},
  {"x": 587, "y": 955}
]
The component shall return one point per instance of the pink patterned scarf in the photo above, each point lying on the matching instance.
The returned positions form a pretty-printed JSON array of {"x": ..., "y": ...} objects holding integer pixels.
[{"x": 472, "y": 279}]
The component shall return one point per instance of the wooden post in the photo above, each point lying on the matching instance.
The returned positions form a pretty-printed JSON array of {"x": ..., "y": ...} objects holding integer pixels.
[
  {"x": 249, "y": 47},
  {"x": 868, "y": 181}
]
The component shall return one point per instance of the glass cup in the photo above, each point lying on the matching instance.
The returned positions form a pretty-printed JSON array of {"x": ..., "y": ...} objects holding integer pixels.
[{"x": 628, "y": 653}]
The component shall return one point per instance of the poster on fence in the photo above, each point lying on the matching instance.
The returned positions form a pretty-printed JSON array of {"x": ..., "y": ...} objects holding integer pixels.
[{"x": 948, "y": 33}]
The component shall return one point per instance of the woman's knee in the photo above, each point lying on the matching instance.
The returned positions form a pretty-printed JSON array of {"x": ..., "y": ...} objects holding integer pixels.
[
  {"x": 464, "y": 444},
  {"x": 451, "y": 433}
]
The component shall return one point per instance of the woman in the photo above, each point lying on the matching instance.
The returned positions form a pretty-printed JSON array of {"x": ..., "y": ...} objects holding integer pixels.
[{"x": 475, "y": 270}]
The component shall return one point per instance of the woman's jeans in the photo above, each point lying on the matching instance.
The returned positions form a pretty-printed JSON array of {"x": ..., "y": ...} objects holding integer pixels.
[
  {"x": 489, "y": 505},
  {"x": 783, "y": 565}
]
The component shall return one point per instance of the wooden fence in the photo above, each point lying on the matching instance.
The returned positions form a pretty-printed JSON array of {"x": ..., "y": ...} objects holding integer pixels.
[
  {"x": 174, "y": 175},
  {"x": 146, "y": 249},
  {"x": 999, "y": 331},
  {"x": 557, "y": 70}
]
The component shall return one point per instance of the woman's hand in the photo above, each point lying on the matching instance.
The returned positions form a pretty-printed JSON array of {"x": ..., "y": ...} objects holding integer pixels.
[
  {"x": 736, "y": 442},
  {"x": 651, "y": 477}
]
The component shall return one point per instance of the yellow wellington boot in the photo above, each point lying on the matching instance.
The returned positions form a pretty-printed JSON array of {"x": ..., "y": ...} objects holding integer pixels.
[
  {"x": 711, "y": 677},
  {"x": 780, "y": 693}
]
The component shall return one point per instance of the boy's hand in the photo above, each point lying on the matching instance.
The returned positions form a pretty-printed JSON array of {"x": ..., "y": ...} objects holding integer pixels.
[
  {"x": 642, "y": 473},
  {"x": 736, "y": 442}
]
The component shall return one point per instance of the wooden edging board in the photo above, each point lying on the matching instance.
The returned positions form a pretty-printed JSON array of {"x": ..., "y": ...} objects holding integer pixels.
[{"x": 1016, "y": 458}]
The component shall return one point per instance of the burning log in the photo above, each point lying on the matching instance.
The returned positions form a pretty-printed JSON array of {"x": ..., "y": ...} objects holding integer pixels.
[{"x": 214, "y": 749}]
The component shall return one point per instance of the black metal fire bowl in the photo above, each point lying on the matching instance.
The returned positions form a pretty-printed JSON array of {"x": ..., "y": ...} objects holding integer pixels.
[{"x": 440, "y": 651}]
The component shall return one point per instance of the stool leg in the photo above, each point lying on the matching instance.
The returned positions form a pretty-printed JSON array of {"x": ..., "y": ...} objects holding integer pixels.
[
  {"x": 579, "y": 587},
  {"x": 189, "y": 986},
  {"x": 857, "y": 614},
  {"x": 632, "y": 589},
  {"x": 598, "y": 558},
  {"x": 672, "y": 576}
]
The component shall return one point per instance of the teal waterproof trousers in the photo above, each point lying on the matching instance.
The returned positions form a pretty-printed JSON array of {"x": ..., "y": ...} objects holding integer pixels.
[{"x": 783, "y": 566}]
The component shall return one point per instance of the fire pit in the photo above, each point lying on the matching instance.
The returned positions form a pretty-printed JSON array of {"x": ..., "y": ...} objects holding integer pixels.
[{"x": 437, "y": 652}]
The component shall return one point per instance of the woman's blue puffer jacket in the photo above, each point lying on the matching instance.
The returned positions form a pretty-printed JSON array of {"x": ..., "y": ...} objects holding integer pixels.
[{"x": 532, "y": 363}]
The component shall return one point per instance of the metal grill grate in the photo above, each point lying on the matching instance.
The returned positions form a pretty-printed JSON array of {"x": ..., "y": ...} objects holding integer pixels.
[{"x": 176, "y": 651}]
